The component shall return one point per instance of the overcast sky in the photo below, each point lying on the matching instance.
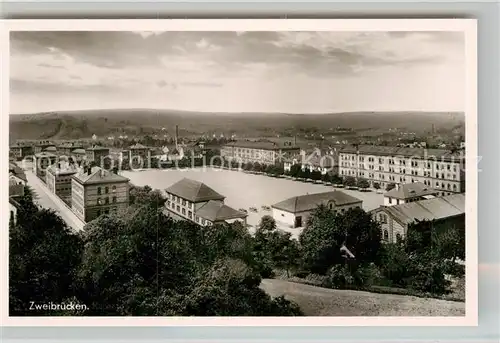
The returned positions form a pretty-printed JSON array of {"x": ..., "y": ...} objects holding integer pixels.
[{"x": 299, "y": 72}]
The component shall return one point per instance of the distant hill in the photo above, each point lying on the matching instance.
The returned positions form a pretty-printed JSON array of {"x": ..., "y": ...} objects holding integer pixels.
[{"x": 83, "y": 124}]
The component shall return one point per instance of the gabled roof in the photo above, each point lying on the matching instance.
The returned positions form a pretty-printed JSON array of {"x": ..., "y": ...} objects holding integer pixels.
[
  {"x": 309, "y": 202},
  {"x": 193, "y": 191},
  {"x": 15, "y": 189},
  {"x": 97, "y": 147},
  {"x": 17, "y": 171},
  {"x": 98, "y": 175},
  {"x": 79, "y": 151},
  {"x": 411, "y": 190},
  {"x": 138, "y": 146},
  {"x": 50, "y": 148},
  {"x": 216, "y": 211},
  {"x": 431, "y": 209}
]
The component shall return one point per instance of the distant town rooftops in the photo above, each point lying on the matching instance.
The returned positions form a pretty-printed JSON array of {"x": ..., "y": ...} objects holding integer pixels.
[
  {"x": 97, "y": 175},
  {"x": 45, "y": 154},
  {"x": 43, "y": 143},
  {"x": 262, "y": 144},
  {"x": 400, "y": 151},
  {"x": 193, "y": 191},
  {"x": 79, "y": 151},
  {"x": 97, "y": 147},
  {"x": 411, "y": 190},
  {"x": 71, "y": 145},
  {"x": 215, "y": 211},
  {"x": 138, "y": 146},
  {"x": 430, "y": 209},
  {"x": 309, "y": 202}
]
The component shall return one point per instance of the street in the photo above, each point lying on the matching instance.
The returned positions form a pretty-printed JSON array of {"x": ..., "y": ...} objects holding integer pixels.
[{"x": 46, "y": 199}]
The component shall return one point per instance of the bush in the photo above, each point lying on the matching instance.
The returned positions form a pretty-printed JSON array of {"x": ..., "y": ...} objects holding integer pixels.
[{"x": 339, "y": 276}]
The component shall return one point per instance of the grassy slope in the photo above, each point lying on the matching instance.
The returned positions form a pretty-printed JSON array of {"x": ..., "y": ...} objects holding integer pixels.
[
  {"x": 81, "y": 124},
  {"x": 317, "y": 301}
]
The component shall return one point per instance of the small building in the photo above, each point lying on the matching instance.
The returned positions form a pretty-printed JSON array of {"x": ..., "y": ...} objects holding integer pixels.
[
  {"x": 41, "y": 162},
  {"x": 78, "y": 155},
  {"x": 95, "y": 191},
  {"x": 19, "y": 151},
  {"x": 294, "y": 212},
  {"x": 16, "y": 191},
  {"x": 41, "y": 146},
  {"x": 394, "y": 220},
  {"x": 97, "y": 154},
  {"x": 17, "y": 173},
  {"x": 58, "y": 179},
  {"x": 67, "y": 148},
  {"x": 195, "y": 201},
  {"x": 139, "y": 156},
  {"x": 409, "y": 192}
]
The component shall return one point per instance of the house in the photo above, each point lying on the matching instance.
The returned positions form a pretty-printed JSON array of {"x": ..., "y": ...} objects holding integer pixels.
[
  {"x": 294, "y": 212},
  {"x": 96, "y": 191},
  {"x": 441, "y": 169},
  {"x": 58, "y": 179},
  {"x": 17, "y": 173},
  {"x": 41, "y": 162},
  {"x": 19, "y": 151},
  {"x": 79, "y": 155},
  {"x": 394, "y": 220},
  {"x": 323, "y": 161},
  {"x": 41, "y": 146},
  {"x": 67, "y": 148},
  {"x": 261, "y": 151},
  {"x": 197, "y": 202},
  {"x": 409, "y": 192},
  {"x": 97, "y": 154},
  {"x": 16, "y": 191},
  {"x": 139, "y": 156}
]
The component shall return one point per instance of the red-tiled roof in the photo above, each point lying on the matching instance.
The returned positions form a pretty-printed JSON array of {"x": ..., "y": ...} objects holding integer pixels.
[
  {"x": 311, "y": 201},
  {"x": 193, "y": 191},
  {"x": 217, "y": 211}
]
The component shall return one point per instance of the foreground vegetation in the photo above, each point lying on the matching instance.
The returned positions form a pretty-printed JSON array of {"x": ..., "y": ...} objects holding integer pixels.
[{"x": 141, "y": 262}]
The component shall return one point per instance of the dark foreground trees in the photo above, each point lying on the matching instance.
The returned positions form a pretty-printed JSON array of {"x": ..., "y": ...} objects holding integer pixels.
[{"x": 139, "y": 262}]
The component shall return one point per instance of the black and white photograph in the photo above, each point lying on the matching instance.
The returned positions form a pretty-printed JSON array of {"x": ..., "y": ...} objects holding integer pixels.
[{"x": 239, "y": 172}]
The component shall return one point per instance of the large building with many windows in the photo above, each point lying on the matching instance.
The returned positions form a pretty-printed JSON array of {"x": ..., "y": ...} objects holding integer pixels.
[
  {"x": 97, "y": 154},
  {"x": 440, "y": 169},
  {"x": 58, "y": 179},
  {"x": 263, "y": 152},
  {"x": 195, "y": 201},
  {"x": 95, "y": 191}
]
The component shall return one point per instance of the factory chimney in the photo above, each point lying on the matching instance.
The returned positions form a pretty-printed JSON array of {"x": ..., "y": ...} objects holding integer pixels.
[{"x": 176, "y": 135}]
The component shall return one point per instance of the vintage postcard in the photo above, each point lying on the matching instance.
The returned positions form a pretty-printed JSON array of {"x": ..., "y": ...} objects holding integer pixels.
[{"x": 240, "y": 172}]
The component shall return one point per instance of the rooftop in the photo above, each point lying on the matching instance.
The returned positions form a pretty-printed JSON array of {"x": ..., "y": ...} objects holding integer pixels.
[
  {"x": 17, "y": 171},
  {"x": 62, "y": 168},
  {"x": 98, "y": 175},
  {"x": 262, "y": 144},
  {"x": 50, "y": 149},
  {"x": 431, "y": 209},
  {"x": 193, "y": 191},
  {"x": 79, "y": 151},
  {"x": 44, "y": 154},
  {"x": 97, "y": 147},
  {"x": 71, "y": 145},
  {"x": 311, "y": 201},
  {"x": 411, "y": 190},
  {"x": 15, "y": 189},
  {"x": 216, "y": 211},
  {"x": 378, "y": 150},
  {"x": 138, "y": 146}
]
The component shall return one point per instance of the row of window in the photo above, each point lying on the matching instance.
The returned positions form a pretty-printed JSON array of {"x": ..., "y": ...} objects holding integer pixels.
[
  {"x": 391, "y": 161},
  {"x": 106, "y": 190},
  {"x": 188, "y": 214},
  {"x": 414, "y": 173},
  {"x": 105, "y": 201},
  {"x": 181, "y": 201}
]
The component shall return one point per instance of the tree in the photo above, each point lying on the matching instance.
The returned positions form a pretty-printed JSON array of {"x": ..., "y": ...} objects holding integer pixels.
[
  {"x": 327, "y": 231},
  {"x": 295, "y": 170},
  {"x": 363, "y": 183},
  {"x": 43, "y": 256},
  {"x": 376, "y": 185},
  {"x": 349, "y": 181},
  {"x": 390, "y": 186},
  {"x": 316, "y": 175}
]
